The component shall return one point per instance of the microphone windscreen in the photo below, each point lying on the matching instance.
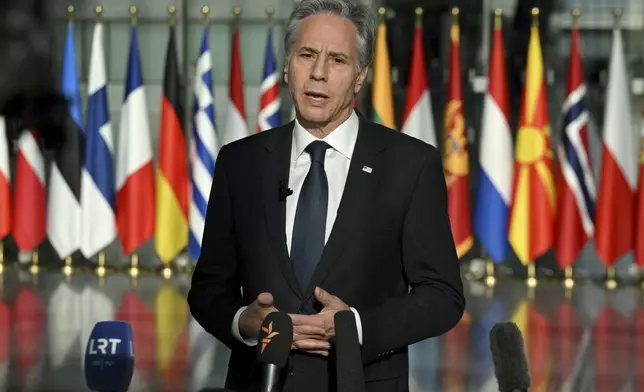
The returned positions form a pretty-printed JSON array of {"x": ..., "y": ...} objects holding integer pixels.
[
  {"x": 350, "y": 374},
  {"x": 275, "y": 339},
  {"x": 508, "y": 355},
  {"x": 109, "y": 357}
]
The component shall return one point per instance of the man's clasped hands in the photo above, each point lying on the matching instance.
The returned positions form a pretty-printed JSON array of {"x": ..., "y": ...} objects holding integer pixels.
[{"x": 311, "y": 333}]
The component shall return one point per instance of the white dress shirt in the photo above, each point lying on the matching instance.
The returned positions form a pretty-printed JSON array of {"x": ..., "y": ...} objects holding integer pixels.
[{"x": 336, "y": 165}]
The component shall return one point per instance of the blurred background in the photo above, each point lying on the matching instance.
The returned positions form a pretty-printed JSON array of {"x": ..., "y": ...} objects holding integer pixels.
[{"x": 583, "y": 337}]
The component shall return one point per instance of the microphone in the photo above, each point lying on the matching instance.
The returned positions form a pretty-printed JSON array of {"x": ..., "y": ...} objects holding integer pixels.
[
  {"x": 109, "y": 357},
  {"x": 348, "y": 357},
  {"x": 273, "y": 348},
  {"x": 284, "y": 191},
  {"x": 508, "y": 355}
]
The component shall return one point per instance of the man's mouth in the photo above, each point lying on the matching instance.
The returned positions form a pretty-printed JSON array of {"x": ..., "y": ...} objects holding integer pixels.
[{"x": 316, "y": 95}]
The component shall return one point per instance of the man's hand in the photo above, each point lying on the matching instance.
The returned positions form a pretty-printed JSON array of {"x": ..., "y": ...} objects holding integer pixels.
[
  {"x": 251, "y": 319},
  {"x": 313, "y": 333}
]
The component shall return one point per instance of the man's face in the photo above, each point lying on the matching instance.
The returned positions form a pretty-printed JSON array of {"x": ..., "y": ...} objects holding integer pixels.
[{"x": 322, "y": 69}]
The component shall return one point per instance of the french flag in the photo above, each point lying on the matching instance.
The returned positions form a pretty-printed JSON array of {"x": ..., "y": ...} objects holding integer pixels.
[
  {"x": 575, "y": 183},
  {"x": 134, "y": 171},
  {"x": 496, "y": 159},
  {"x": 615, "y": 218}
]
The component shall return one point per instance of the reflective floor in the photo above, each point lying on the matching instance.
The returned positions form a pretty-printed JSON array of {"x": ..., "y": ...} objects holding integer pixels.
[{"x": 591, "y": 340}]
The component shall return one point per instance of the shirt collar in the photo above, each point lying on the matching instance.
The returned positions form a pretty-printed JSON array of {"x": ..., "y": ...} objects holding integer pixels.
[{"x": 342, "y": 139}]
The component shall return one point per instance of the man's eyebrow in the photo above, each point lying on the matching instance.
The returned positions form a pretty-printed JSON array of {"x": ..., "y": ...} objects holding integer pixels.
[{"x": 331, "y": 54}]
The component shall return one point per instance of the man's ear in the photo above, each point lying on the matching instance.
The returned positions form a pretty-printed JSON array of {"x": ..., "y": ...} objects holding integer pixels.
[
  {"x": 285, "y": 71},
  {"x": 362, "y": 76}
]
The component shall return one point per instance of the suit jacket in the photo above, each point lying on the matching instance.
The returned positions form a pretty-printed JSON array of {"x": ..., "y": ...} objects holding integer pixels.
[{"x": 390, "y": 255}]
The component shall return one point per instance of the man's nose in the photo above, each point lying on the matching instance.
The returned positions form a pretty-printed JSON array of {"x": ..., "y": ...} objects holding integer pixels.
[{"x": 320, "y": 69}]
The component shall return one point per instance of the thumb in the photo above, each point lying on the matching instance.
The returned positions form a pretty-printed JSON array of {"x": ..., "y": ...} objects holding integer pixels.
[
  {"x": 265, "y": 300},
  {"x": 325, "y": 298}
]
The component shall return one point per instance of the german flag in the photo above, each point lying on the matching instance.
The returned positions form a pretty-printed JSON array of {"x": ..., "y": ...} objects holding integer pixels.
[{"x": 172, "y": 174}]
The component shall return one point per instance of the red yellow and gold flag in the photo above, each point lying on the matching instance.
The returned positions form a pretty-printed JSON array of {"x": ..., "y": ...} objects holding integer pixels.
[
  {"x": 456, "y": 159},
  {"x": 532, "y": 214}
]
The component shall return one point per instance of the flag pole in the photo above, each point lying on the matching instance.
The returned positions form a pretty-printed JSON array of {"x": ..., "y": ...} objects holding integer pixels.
[
  {"x": 172, "y": 10},
  {"x": 34, "y": 269},
  {"x": 1, "y": 257},
  {"x": 67, "y": 268},
  {"x": 270, "y": 11}
]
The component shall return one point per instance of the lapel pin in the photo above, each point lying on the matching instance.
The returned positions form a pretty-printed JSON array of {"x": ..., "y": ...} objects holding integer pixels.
[{"x": 367, "y": 169}]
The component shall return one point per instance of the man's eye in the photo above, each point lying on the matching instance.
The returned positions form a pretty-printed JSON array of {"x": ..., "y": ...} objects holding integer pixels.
[
  {"x": 306, "y": 55},
  {"x": 338, "y": 60}
]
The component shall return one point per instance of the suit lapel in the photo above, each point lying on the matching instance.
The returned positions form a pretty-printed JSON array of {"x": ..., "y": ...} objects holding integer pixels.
[
  {"x": 275, "y": 171},
  {"x": 361, "y": 181}
]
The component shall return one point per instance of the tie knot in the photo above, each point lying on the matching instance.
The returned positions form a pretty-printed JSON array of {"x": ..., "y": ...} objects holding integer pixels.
[{"x": 317, "y": 149}]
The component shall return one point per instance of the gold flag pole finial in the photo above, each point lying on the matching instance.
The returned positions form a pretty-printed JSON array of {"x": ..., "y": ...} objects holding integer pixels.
[
  {"x": 237, "y": 12},
  {"x": 382, "y": 14},
  {"x": 70, "y": 13},
  {"x": 498, "y": 18},
  {"x": 99, "y": 12},
  {"x": 535, "y": 17},
  {"x": 133, "y": 15},
  {"x": 455, "y": 12},
  {"x": 419, "y": 16},
  {"x": 576, "y": 13},
  {"x": 270, "y": 13},
  {"x": 205, "y": 10},
  {"x": 172, "y": 10}
]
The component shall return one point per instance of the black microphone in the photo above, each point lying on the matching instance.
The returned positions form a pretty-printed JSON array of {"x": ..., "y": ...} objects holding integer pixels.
[
  {"x": 508, "y": 355},
  {"x": 350, "y": 374},
  {"x": 284, "y": 191},
  {"x": 273, "y": 347}
]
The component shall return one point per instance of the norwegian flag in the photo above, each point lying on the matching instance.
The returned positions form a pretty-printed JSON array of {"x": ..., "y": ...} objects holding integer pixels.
[
  {"x": 575, "y": 183},
  {"x": 269, "y": 103},
  {"x": 29, "y": 194}
]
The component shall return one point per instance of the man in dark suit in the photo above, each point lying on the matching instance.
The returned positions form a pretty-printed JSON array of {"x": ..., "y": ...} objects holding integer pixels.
[{"x": 329, "y": 212}]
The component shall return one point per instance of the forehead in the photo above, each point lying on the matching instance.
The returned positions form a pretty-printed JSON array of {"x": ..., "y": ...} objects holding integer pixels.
[{"x": 327, "y": 32}]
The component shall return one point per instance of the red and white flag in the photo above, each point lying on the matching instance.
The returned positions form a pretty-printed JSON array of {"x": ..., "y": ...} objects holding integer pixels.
[
  {"x": 5, "y": 182},
  {"x": 418, "y": 120},
  {"x": 29, "y": 213},
  {"x": 618, "y": 180},
  {"x": 236, "y": 127},
  {"x": 639, "y": 206}
]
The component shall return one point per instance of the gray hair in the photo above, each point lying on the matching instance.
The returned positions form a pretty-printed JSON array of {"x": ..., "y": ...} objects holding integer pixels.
[{"x": 360, "y": 15}]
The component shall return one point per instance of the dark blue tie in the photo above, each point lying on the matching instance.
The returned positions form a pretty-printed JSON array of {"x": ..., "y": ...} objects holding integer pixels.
[{"x": 310, "y": 217}]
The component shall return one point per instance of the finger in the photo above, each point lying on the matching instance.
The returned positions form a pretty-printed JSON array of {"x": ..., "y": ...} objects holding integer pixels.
[
  {"x": 305, "y": 319},
  {"x": 309, "y": 330},
  {"x": 312, "y": 345},
  {"x": 265, "y": 300}
]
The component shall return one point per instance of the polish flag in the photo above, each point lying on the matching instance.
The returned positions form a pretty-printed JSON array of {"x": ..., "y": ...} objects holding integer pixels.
[
  {"x": 618, "y": 180},
  {"x": 29, "y": 213},
  {"x": 639, "y": 217},
  {"x": 135, "y": 206},
  {"x": 418, "y": 120},
  {"x": 236, "y": 127},
  {"x": 5, "y": 182}
]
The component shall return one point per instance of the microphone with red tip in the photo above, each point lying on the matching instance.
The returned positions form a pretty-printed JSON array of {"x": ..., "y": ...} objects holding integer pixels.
[
  {"x": 109, "y": 357},
  {"x": 273, "y": 348},
  {"x": 511, "y": 366}
]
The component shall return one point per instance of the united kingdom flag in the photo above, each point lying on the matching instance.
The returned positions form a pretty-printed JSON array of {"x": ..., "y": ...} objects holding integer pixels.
[{"x": 269, "y": 105}]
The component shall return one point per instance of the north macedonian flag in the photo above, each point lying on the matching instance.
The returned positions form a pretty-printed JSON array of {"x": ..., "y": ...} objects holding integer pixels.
[
  {"x": 532, "y": 214},
  {"x": 455, "y": 159}
]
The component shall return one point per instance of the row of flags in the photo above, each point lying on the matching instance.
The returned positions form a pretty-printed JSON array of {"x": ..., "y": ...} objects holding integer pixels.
[
  {"x": 522, "y": 202},
  {"x": 96, "y": 194}
]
